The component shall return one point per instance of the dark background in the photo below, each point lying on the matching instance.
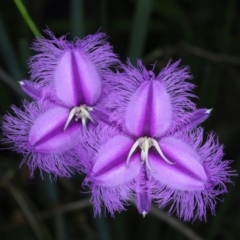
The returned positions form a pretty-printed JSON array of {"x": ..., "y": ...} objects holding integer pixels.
[{"x": 204, "y": 34}]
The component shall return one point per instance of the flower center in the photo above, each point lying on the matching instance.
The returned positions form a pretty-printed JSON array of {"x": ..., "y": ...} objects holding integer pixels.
[
  {"x": 145, "y": 143},
  {"x": 81, "y": 112}
]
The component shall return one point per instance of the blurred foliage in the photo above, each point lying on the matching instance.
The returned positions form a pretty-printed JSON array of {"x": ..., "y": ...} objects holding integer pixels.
[{"x": 205, "y": 34}]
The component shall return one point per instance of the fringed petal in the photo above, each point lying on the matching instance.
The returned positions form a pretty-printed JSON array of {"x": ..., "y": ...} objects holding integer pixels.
[
  {"x": 149, "y": 112},
  {"x": 47, "y": 134},
  {"x": 193, "y": 119},
  {"x": 110, "y": 168},
  {"x": 192, "y": 203},
  {"x": 170, "y": 87},
  {"x": 16, "y": 129},
  {"x": 114, "y": 199},
  {"x": 174, "y": 78},
  {"x": 187, "y": 172},
  {"x": 104, "y": 151},
  {"x": 76, "y": 79},
  {"x": 74, "y": 71},
  {"x": 33, "y": 90}
]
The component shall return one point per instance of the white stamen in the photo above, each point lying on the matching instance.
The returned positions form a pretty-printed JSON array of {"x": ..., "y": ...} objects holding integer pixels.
[
  {"x": 132, "y": 150},
  {"x": 156, "y": 145},
  {"x": 149, "y": 166},
  {"x": 70, "y": 117},
  {"x": 145, "y": 143},
  {"x": 84, "y": 122},
  {"x": 145, "y": 146},
  {"x": 85, "y": 113},
  {"x": 144, "y": 153},
  {"x": 81, "y": 112}
]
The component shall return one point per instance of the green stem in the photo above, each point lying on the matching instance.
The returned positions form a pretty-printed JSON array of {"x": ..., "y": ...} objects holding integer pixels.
[{"x": 27, "y": 18}]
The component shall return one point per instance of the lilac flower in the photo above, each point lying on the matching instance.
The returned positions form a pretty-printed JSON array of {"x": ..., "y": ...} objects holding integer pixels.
[
  {"x": 170, "y": 94},
  {"x": 75, "y": 76},
  {"x": 158, "y": 156},
  {"x": 68, "y": 82},
  {"x": 24, "y": 130}
]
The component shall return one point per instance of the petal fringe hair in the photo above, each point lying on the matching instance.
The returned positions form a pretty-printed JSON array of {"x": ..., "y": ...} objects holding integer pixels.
[
  {"x": 16, "y": 129},
  {"x": 113, "y": 198},
  {"x": 190, "y": 205},
  {"x": 173, "y": 77},
  {"x": 95, "y": 47}
]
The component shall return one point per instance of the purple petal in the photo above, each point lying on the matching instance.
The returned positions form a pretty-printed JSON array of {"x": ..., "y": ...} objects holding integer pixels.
[
  {"x": 174, "y": 78},
  {"x": 16, "y": 129},
  {"x": 149, "y": 111},
  {"x": 76, "y": 79},
  {"x": 100, "y": 114},
  {"x": 196, "y": 118},
  {"x": 144, "y": 202},
  {"x": 110, "y": 167},
  {"x": 186, "y": 174},
  {"x": 192, "y": 203},
  {"x": 58, "y": 61},
  {"x": 143, "y": 197},
  {"x": 47, "y": 135},
  {"x": 31, "y": 89}
]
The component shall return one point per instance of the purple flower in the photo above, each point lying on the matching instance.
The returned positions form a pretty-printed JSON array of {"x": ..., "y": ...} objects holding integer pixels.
[
  {"x": 24, "y": 130},
  {"x": 158, "y": 156},
  {"x": 75, "y": 76},
  {"x": 68, "y": 82},
  {"x": 137, "y": 93}
]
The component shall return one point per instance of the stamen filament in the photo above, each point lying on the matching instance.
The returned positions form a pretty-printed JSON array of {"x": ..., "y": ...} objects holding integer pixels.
[
  {"x": 132, "y": 150},
  {"x": 149, "y": 166},
  {"x": 81, "y": 112},
  {"x": 156, "y": 145},
  {"x": 70, "y": 117},
  {"x": 145, "y": 143},
  {"x": 86, "y": 114},
  {"x": 84, "y": 122}
]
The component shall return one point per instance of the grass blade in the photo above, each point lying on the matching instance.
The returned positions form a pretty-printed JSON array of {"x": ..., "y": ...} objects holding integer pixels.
[
  {"x": 8, "y": 54},
  {"x": 139, "y": 29},
  {"x": 27, "y": 18},
  {"x": 77, "y": 18}
]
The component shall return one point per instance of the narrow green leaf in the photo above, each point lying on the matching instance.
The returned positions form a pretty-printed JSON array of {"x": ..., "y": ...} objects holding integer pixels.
[
  {"x": 229, "y": 199},
  {"x": 51, "y": 188},
  {"x": 102, "y": 228},
  {"x": 153, "y": 228},
  {"x": 139, "y": 29},
  {"x": 77, "y": 18},
  {"x": 8, "y": 54},
  {"x": 27, "y": 18},
  {"x": 26, "y": 210},
  {"x": 24, "y": 53},
  {"x": 209, "y": 88},
  {"x": 120, "y": 225},
  {"x": 14, "y": 85},
  {"x": 175, "y": 12},
  {"x": 230, "y": 16}
]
